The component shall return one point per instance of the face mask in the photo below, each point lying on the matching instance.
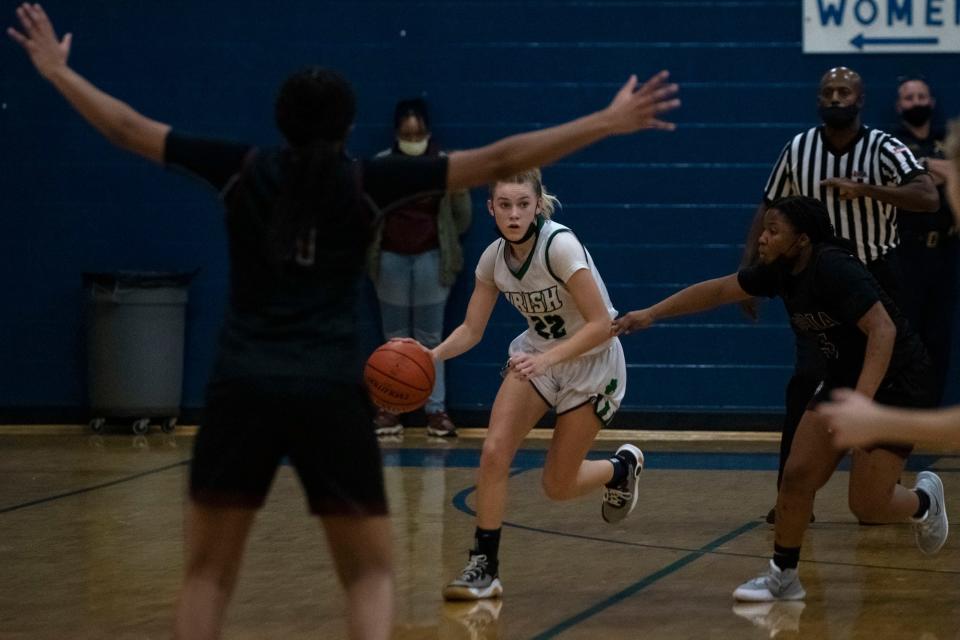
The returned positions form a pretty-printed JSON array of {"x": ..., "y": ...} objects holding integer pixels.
[
  {"x": 532, "y": 229},
  {"x": 918, "y": 115},
  {"x": 839, "y": 117},
  {"x": 408, "y": 148}
]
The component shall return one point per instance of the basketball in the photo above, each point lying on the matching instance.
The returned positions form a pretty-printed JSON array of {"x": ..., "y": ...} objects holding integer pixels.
[{"x": 399, "y": 376}]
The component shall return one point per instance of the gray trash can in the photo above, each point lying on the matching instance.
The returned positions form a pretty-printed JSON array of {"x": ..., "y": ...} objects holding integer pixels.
[{"x": 135, "y": 332}]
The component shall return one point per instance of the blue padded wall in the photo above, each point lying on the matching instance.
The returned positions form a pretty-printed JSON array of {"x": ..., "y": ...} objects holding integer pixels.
[{"x": 657, "y": 210}]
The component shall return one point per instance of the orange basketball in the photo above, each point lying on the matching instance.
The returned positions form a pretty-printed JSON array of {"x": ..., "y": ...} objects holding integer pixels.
[{"x": 399, "y": 376}]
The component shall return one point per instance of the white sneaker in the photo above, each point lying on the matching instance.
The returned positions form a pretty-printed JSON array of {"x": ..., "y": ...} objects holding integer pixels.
[
  {"x": 770, "y": 586},
  {"x": 620, "y": 501},
  {"x": 931, "y": 530},
  {"x": 773, "y": 616}
]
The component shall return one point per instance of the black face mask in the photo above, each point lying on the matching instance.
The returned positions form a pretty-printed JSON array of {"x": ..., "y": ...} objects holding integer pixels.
[
  {"x": 839, "y": 117},
  {"x": 532, "y": 229},
  {"x": 917, "y": 116}
]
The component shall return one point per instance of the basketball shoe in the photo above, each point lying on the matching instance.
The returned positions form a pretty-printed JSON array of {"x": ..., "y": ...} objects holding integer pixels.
[
  {"x": 931, "y": 530},
  {"x": 475, "y": 582},
  {"x": 619, "y": 502},
  {"x": 775, "y": 584}
]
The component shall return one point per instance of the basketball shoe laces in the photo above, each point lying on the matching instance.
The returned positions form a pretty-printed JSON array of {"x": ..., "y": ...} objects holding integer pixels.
[
  {"x": 615, "y": 497},
  {"x": 475, "y": 569}
]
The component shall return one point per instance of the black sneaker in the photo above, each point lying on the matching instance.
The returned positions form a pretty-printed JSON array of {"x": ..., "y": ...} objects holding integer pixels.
[
  {"x": 475, "y": 581},
  {"x": 619, "y": 501}
]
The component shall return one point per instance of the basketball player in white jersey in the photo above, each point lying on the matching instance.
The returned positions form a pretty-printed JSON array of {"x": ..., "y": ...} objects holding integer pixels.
[{"x": 567, "y": 360}]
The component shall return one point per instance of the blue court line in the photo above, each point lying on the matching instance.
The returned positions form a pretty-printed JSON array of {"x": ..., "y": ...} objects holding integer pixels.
[
  {"x": 102, "y": 485},
  {"x": 460, "y": 503},
  {"x": 665, "y": 460},
  {"x": 643, "y": 583},
  {"x": 757, "y": 460}
]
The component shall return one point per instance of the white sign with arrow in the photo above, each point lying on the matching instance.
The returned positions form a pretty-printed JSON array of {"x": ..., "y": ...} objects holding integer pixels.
[{"x": 881, "y": 26}]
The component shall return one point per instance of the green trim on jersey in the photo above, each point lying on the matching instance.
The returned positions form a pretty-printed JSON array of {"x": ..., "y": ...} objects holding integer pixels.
[
  {"x": 519, "y": 273},
  {"x": 546, "y": 253}
]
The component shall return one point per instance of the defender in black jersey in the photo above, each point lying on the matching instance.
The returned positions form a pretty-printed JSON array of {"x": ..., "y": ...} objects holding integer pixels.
[
  {"x": 287, "y": 378},
  {"x": 866, "y": 344},
  {"x": 862, "y": 175}
]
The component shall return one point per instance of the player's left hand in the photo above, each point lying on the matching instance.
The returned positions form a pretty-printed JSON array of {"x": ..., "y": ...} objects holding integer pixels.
[
  {"x": 528, "y": 365},
  {"x": 39, "y": 40},
  {"x": 847, "y": 189}
]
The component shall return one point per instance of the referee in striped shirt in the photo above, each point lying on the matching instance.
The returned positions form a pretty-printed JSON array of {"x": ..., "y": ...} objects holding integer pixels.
[{"x": 864, "y": 176}]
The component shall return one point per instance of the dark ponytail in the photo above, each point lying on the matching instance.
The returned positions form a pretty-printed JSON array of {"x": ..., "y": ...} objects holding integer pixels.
[{"x": 318, "y": 193}]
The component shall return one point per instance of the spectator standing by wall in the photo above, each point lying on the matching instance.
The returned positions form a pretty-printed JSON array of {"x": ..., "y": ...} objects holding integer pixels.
[
  {"x": 928, "y": 241},
  {"x": 414, "y": 260}
]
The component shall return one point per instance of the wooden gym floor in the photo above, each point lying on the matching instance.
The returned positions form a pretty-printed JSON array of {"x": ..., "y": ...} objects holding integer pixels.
[{"x": 91, "y": 547}]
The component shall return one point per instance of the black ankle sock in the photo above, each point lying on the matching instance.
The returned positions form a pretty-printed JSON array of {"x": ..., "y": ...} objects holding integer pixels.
[
  {"x": 786, "y": 557},
  {"x": 487, "y": 542},
  {"x": 924, "y": 503},
  {"x": 620, "y": 469}
]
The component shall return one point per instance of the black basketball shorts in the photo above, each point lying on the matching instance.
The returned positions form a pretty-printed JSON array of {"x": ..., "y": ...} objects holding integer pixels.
[{"x": 324, "y": 429}]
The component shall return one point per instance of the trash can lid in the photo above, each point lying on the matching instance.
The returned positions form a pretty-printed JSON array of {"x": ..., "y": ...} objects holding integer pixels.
[{"x": 140, "y": 279}]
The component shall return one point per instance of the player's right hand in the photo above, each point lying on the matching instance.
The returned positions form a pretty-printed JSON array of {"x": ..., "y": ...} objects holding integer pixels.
[{"x": 39, "y": 40}]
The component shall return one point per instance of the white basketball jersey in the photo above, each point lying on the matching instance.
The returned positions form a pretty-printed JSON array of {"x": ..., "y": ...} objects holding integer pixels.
[{"x": 536, "y": 288}]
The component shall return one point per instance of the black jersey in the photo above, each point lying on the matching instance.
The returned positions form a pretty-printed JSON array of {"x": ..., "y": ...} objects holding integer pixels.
[
  {"x": 825, "y": 301},
  {"x": 917, "y": 223},
  {"x": 294, "y": 315}
]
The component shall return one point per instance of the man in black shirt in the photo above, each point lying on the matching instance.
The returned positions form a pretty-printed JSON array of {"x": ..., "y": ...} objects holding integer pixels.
[
  {"x": 833, "y": 300},
  {"x": 287, "y": 380},
  {"x": 928, "y": 241}
]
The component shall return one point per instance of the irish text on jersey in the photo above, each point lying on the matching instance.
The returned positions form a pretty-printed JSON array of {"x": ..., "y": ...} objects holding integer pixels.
[{"x": 535, "y": 301}]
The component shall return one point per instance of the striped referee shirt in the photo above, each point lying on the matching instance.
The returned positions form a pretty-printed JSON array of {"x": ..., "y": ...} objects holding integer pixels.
[{"x": 876, "y": 158}]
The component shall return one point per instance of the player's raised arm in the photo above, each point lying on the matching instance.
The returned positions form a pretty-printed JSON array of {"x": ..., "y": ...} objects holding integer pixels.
[
  {"x": 116, "y": 120},
  {"x": 631, "y": 110}
]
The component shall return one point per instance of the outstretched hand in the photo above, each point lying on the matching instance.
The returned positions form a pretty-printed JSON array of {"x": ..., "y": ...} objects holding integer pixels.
[
  {"x": 633, "y": 109},
  {"x": 852, "y": 419},
  {"x": 39, "y": 40},
  {"x": 633, "y": 321}
]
